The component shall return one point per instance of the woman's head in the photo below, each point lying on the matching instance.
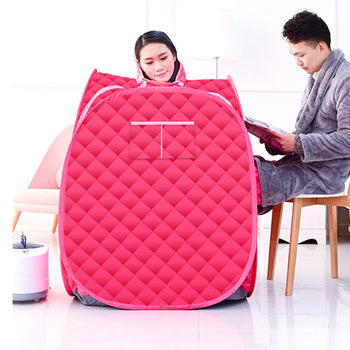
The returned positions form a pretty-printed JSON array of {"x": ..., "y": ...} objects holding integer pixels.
[{"x": 157, "y": 57}]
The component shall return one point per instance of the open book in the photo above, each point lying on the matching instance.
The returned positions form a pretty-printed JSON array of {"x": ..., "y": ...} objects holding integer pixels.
[{"x": 262, "y": 130}]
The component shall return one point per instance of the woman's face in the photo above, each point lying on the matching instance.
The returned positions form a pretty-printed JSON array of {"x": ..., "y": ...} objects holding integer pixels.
[{"x": 157, "y": 61}]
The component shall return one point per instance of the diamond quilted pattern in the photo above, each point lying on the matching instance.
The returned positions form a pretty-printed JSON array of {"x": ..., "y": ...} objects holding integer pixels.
[
  {"x": 159, "y": 220},
  {"x": 99, "y": 80}
]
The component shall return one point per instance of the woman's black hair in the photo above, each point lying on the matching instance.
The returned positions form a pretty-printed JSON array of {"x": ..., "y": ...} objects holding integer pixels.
[{"x": 156, "y": 36}]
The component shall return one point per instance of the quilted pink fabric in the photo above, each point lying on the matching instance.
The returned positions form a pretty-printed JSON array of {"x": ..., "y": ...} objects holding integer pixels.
[{"x": 158, "y": 202}]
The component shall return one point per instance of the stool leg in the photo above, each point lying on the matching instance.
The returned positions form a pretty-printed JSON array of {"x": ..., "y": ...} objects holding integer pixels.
[
  {"x": 54, "y": 225},
  {"x": 274, "y": 236},
  {"x": 293, "y": 247},
  {"x": 15, "y": 219},
  {"x": 333, "y": 239}
]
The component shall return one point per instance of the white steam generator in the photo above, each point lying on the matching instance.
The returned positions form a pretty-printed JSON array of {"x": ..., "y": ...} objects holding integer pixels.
[{"x": 31, "y": 270}]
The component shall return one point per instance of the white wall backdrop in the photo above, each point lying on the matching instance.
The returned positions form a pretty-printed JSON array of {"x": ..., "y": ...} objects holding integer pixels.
[{"x": 50, "y": 47}]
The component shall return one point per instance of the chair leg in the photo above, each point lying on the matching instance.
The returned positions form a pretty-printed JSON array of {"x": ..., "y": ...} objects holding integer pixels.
[
  {"x": 293, "y": 247},
  {"x": 54, "y": 225},
  {"x": 15, "y": 219},
  {"x": 274, "y": 236},
  {"x": 333, "y": 239}
]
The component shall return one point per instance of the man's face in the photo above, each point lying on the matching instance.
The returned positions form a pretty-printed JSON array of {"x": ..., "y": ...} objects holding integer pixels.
[{"x": 308, "y": 57}]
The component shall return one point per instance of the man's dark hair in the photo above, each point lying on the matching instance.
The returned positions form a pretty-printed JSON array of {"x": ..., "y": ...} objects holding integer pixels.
[{"x": 307, "y": 26}]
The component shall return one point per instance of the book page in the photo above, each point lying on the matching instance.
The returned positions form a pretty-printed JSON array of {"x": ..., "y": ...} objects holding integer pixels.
[{"x": 262, "y": 124}]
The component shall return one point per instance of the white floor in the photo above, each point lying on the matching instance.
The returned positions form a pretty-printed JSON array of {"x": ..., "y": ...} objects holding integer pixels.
[{"x": 317, "y": 316}]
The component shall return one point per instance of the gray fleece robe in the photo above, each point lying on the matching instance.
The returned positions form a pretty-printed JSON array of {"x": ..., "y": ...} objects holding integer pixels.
[{"x": 323, "y": 125}]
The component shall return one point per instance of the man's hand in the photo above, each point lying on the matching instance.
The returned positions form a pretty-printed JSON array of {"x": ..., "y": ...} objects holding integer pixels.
[{"x": 286, "y": 140}]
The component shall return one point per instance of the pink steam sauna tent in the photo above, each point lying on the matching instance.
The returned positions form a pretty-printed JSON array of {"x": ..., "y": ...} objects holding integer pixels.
[{"x": 158, "y": 196}]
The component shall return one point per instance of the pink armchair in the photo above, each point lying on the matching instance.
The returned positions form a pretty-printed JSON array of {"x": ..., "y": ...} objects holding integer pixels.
[{"x": 42, "y": 195}]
